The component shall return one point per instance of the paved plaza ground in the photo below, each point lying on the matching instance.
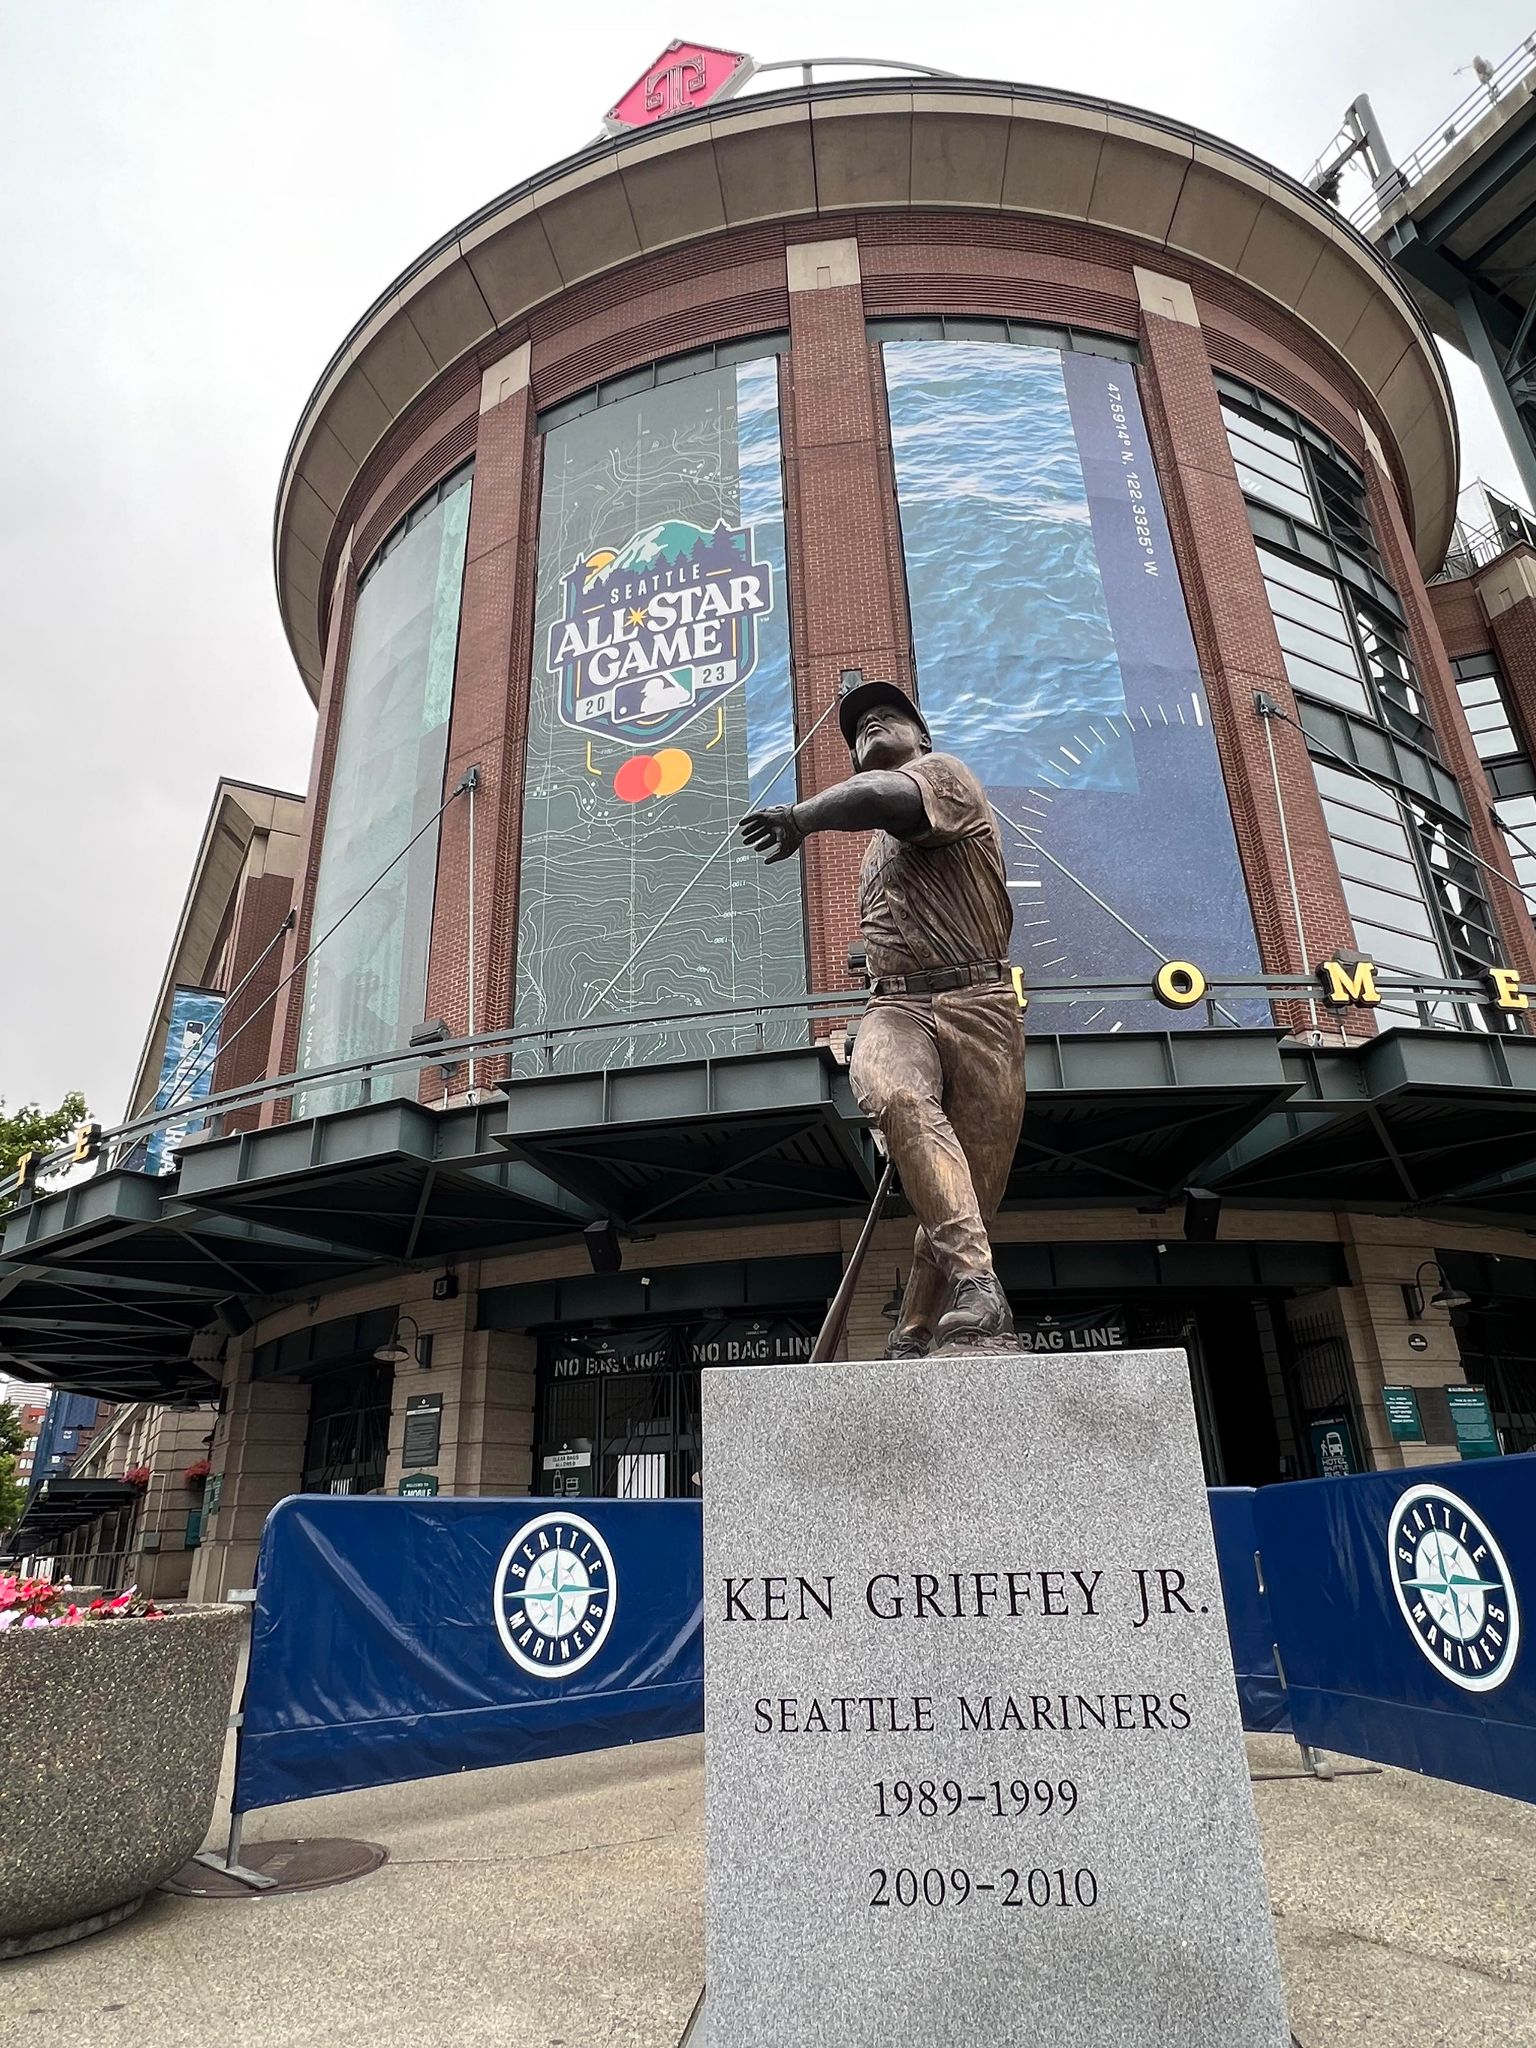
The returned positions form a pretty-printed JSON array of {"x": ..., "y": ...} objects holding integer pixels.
[{"x": 560, "y": 1906}]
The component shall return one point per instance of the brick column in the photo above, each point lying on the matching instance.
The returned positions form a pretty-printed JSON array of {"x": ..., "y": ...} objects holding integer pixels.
[
  {"x": 264, "y": 903},
  {"x": 848, "y": 608},
  {"x": 486, "y": 1380},
  {"x": 283, "y": 1045},
  {"x": 258, "y": 1456},
  {"x": 1238, "y": 650},
  {"x": 1507, "y": 591},
  {"x": 1511, "y": 920},
  {"x": 489, "y": 720}
]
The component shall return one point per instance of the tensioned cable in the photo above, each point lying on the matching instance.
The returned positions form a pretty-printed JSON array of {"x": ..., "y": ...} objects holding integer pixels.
[
  {"x": 239, "y": 990},
  {"x": 1035, "y": 846},
  {"x": 704, "y": 866},
  {"x": 303, "y": 961}
]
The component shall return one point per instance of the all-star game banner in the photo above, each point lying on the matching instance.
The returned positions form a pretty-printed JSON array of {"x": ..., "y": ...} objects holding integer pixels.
[
  {"x": 1054, "y": 652},
  {"x": 660, "y": 712}
]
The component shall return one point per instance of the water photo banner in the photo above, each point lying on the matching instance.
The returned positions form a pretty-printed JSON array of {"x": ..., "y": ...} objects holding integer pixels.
[
  {"x": 659, "y": 713},
  {"x": 1054, "y": 654}
]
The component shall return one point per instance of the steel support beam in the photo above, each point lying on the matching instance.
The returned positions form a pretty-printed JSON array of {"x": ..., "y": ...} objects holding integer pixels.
[{"x": 1516, "y": 424}]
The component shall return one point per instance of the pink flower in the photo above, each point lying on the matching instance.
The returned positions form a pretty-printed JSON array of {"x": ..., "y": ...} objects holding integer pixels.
[
  {"x": 6, "y": 1618},
  {"x": 71, "y": 1618},
  {"x": 33, "y": 1621}
]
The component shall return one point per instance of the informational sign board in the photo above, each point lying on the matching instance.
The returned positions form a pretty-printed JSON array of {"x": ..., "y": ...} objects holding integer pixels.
[
  {"x": 1084, "y": 1330},
  {"x": 1476, "y": 1436},
  {"x": 1402, "y": 1406},
  {"x": 423, "y": 1429},
  {"x": 418, "y": 1485},
  {"x": 567, "y": 1461},
  {"x": 1333, "y": 1446}
]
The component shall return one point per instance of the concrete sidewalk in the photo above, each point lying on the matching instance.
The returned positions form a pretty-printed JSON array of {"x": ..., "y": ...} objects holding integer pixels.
[{"x": 560, "y": 1906}]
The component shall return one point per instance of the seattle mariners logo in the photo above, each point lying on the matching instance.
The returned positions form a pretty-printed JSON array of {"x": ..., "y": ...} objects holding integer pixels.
[
  {"x": 555, "y": 1594},
  {"x": 1454, "y": 1588},
  {"x": 656, "y": 632}
]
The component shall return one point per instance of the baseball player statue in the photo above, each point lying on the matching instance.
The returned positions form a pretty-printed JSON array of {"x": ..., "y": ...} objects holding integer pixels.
[{"x": 938, "y": 1059}]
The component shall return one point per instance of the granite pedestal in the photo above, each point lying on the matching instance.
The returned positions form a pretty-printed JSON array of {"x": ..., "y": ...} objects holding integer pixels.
[{"x": 974, "y": 1767}]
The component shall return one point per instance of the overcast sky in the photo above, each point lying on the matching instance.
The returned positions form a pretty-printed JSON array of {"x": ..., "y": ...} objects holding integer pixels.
[{"x": 197, "y": 199}]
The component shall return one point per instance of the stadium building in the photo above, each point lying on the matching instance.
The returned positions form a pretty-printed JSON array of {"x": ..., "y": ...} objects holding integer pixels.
[{"x": 1130, "y": 457}]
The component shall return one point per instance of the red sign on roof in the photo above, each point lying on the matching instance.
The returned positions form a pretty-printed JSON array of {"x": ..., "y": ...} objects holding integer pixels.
[{"x": 684, "y": 76}]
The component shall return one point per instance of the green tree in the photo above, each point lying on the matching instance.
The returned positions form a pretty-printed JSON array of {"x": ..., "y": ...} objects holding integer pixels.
[
  {"x": 30, "y": 1129},
  {"x": 13, "y": 1495}
]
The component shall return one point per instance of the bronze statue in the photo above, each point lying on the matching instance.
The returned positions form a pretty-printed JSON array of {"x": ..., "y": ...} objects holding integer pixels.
[{"x": 938, "y": 1059}]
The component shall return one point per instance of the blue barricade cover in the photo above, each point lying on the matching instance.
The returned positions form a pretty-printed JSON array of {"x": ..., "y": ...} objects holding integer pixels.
[
  {"x": 1402, "y": 1602},
  {"x": 397, "y": 1639},
  {"x": 1250, "y": 1624}
]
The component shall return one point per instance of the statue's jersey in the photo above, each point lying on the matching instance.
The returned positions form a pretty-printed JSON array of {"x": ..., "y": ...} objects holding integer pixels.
[{"x": 939, "y": 898}]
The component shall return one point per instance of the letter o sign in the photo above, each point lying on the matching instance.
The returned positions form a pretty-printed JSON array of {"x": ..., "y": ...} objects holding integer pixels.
[{"x": 1179, "y": 984}]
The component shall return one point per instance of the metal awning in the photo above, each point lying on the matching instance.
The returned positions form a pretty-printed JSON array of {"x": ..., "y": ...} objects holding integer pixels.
[
  {"x": 388, "y": 1180},
  {"x": 1135, "y": 1116},
  {"x": 105, "y": 1284},
  {"x": 96, "y": 1333},
  {"x": 699, "y": 1141},
  {"x": 135, "y": 1227},
  {"x": 1442, "y": 1123},
  {"x": 60, "y": 1505}
]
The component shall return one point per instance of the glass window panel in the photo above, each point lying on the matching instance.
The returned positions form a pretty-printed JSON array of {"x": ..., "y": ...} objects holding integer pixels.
[
  {"x": 1355, "y": 791},
  {"x": 660, "y": 711},
  {"x": 1327, "y": 683},
  {"x": 1319, "y": 647},
  {"x": 1323, "y": 618},
  {"x": 1281, "y": 444},
  {"x": 1390, "y": 907},
  {"x": 1281, "y": 569},
  {"x": 1260, "y": 486},
  {"x": 1482, "y": 689},
  {"x": 1367, "y": 862},
  {"x": 1487, "y": 718},
  {"x": 365, "y": 989},
  {"x": 1518, "y": 815},
  {"x": 1389, "y": 947},
  {"x": 1281, "y": 469}
]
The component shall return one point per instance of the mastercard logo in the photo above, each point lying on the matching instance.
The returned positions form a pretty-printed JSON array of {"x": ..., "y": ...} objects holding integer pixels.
[{"x": 644, "y": 775}]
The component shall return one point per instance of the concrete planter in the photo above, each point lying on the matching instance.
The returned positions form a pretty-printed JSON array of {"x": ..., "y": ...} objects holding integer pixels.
[{"x": 111, "y": 1736}]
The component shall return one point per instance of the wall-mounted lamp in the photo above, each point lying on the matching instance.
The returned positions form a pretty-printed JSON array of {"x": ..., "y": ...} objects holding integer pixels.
[
  {"x": 434, "y": 1032},
  {"x": 396, "y": 1351},
  {"x": 1445, "y": 1295},
  {"x": 1202, "y": 1214}
]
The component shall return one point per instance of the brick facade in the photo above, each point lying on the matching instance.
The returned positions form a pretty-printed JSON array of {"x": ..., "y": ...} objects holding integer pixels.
[
  {"x": 263, "y": 903},
  {"x": 847, "y": 591},
  {"x": 1240, "y": 656}
]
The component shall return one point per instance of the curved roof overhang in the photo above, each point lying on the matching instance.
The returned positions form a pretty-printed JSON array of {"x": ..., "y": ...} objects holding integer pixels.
[{"x": 822, "y": 151}]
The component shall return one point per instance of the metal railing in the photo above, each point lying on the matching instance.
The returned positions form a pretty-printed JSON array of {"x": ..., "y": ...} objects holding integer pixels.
[
  {"x": 1514, "y": 73},
  {"x": 1471, "y": 550},
  {"x": 396, "y": 1074}
]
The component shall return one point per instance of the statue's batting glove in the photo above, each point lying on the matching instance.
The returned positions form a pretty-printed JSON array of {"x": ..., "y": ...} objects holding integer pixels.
[{"x": 773, "y": 832}]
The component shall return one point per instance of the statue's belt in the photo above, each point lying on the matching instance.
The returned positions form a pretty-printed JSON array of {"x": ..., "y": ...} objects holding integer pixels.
[{"x": 974, "y": 974}]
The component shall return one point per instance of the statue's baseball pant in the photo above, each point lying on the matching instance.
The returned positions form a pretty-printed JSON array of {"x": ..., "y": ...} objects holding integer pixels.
[{"x": 943, "y": 1078}]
